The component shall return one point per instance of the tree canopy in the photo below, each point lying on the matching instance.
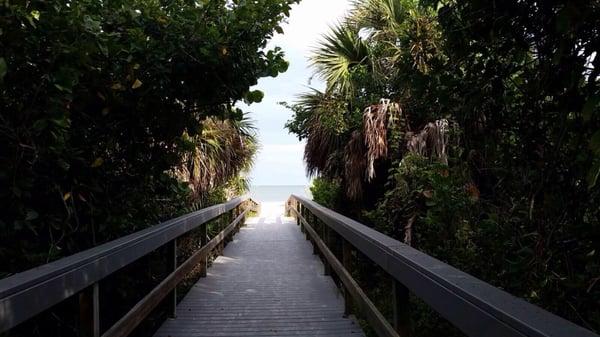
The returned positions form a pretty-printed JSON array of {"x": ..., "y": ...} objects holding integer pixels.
[
  {"x": 471, "y": 131},
  {"x": 103, "y": 102}
]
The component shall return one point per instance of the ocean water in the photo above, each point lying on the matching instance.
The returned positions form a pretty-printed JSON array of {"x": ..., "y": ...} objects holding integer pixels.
[{"x": 270, "y": 194}]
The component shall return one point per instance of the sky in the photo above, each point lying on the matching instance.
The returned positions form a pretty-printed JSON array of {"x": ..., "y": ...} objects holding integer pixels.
[{"x": 279, "y": 161}]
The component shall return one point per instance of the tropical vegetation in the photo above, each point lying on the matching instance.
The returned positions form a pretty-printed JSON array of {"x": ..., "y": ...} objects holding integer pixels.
[
  {"x": 471, "y": 131},
  {"x": 116, "y": 115}
]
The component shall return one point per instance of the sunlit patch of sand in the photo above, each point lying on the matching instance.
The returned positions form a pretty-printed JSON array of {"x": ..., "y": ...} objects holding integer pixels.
[{"x": 272, "y": 209}]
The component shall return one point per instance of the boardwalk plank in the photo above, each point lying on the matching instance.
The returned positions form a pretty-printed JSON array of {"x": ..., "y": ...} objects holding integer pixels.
[{"x": 267, "y": 283}]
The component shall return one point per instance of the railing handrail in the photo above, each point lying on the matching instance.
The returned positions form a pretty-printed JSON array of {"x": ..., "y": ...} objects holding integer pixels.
[
  {"x": 28, "y": 293},
  {"x": 472, "y": 305}
]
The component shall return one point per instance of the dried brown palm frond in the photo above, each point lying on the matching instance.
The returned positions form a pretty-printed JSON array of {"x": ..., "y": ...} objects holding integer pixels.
[
  {"x": 424, "y": 36},
  {"x": 223, "y": 150},
  {"x": 432, "y": 141},
  {"x": 376, "y": 119},
  {"x": 355, "y": 159},
  {"x": 322, "y": 144}
]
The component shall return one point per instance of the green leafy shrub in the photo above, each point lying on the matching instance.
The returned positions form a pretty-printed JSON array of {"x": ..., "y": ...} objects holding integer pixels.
[
  {"x": 427, "y": 205},
  {"x": 95, "y": 100},
  {"x": 326, "y": 192}
]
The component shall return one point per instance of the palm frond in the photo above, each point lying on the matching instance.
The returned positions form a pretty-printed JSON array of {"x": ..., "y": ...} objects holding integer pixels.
[
  {"x": 338, "y": 53},
  {"x": 376, "y": 120},
  {"x": 432, "y": 141},
  {"x": 321, "y": 146},
  {"x": 380, "y": 16},
  {"x": 223, "y": 150},
  {"x": 323, "y": 126},
  {"x": 355, "y": 163}
]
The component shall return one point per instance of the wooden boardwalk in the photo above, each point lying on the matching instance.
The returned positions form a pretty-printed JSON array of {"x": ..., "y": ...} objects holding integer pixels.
[{"x": 267, "y": 283}]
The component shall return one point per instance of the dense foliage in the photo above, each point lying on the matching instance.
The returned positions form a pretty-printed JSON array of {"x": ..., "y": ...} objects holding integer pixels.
[
  {"x": 487, "y": 153},
  {"x": 104, "y": 103},
  {"x": 326, "y": 192}
]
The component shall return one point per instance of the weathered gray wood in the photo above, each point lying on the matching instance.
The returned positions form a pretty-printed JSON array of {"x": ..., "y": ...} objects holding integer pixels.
[
  {"x": 267, "y": 283},
  {"x": 141, "y": 310},
  {"x": 326, "y": 235},
  {"x": 203, "y": 240},
  {"x": 400, "y": 304},
  {"x": 347, "y": 262},
  {"x": 172, "y": 267},
  {"x": 368, "y": 308},
  {"x": 26, "y": 294},
  {"x": 89, "y": 311},
  {"x": 473, "y": 306}
]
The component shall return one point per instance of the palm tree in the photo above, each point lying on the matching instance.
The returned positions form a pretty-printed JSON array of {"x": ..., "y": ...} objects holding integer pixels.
[
  {"x": 380, "y": 16},
  {"x": 402, "y": 26},
  {"x": 338, "y": 143},
  {"x": 323, "y": 129},
  {"x": 333, "y": 152},
  {"x": 223, "y": 150}
]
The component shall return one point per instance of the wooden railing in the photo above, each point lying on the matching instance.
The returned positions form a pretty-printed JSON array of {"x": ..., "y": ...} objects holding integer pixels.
[
  {"x": 471, "y": 305},
  {"x": 27, "y": 294}
]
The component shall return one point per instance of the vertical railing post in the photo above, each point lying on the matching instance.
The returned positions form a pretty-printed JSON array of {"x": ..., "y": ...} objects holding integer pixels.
[
  {"x": 89, "y": 311},
  {"x": 347, "y": 262},
  {"x": 306, "y": 217},
  {"x": 227, "y": 219},
  {"x": 302, "y": 224},
  {"x": 171, "y": 267},
  {"x": 203, "y": 241},
  {"x": 314, "y": 222},
  {"x": 327, "y": 238},
  {"x": 233, "y": 214},
  {"x": 222, "y": 243},
  {"x": 239, "y": 210},
  {"x": 401, "y": 319}
]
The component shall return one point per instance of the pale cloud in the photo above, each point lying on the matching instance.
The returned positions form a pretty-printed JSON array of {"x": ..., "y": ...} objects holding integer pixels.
[
  {"x": 308, "y": 22},
  {"x": 280, "y": 160},
  {"x": 279, "y": 164}
]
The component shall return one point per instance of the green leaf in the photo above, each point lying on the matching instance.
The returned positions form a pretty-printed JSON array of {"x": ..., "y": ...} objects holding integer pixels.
[
  {"x": 103, "y": 49},
  {"x": 589, "y": 106},
  {"x": 30, "y": 20},
  {"x": 61, "y": 122},
  {"x": 255, "y": 96},
  {"x": 3, "y": 68},
  {"x": 40, "y": 125},
  {"x": 35, "y": 14},
  {"x": 595, "y": 143},
  {"x": 61, "y": 88},
  {"x": 31, "y": 215},
  {"x": 593, "y": 174}
]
